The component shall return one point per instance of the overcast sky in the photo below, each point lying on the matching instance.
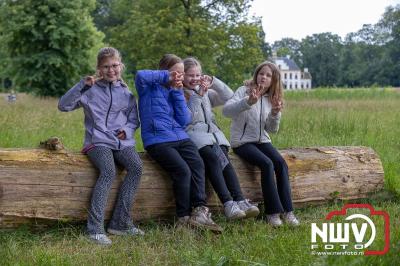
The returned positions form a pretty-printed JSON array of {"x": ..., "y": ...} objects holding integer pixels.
[{"x": 299, "y": 18}]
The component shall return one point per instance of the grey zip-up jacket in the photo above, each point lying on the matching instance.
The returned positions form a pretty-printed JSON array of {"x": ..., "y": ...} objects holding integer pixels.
[
  {"x": 203, "y": 130},
  {"x": 250, "y": 123},
  {"x": 109, "y": 107}
]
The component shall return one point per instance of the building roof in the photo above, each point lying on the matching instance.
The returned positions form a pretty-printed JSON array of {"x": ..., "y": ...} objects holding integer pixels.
[
  {"x": 289, "y": 62},
  {"x": 306, "y": 75}
]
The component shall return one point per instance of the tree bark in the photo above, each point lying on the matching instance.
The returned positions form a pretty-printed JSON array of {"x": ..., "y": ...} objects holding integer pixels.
[{"x": 40, "y": 185}]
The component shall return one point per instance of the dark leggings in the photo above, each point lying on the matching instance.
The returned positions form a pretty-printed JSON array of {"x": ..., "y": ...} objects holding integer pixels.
[
  {"x": 224, "y": 182},
  {"x": 182, "y": 161},
  {"x": 277, "y": 198},
  {"x": 104, "y": 160}
]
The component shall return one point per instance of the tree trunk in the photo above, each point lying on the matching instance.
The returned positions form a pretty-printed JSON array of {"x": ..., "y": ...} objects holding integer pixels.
[{"x": 40, "y": 185}]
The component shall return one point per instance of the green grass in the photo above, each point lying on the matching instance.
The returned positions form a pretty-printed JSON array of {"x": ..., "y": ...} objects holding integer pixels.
[{"x": 323, "y": 117}]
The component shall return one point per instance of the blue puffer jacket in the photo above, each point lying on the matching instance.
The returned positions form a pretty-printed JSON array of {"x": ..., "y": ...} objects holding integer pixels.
[
  {"x": 162, "y": 109},
  {"x": 109, "y": 108}
]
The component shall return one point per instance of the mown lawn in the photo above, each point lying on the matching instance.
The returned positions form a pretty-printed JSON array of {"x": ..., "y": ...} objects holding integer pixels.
[{"x": 322, "y": 117}]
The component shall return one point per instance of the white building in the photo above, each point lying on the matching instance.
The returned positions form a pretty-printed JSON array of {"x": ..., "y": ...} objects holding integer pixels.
[{"x": 292, "y": 76}]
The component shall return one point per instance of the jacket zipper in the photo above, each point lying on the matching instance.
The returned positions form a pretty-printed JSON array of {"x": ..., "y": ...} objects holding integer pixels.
[
  {"x": 109, "y": 108},
  {"x": 205, "y": 117},
  {"x": 244, "y": 129},
  {"x": 260, "y": 117},
  {"x": 208, "y": 125}
]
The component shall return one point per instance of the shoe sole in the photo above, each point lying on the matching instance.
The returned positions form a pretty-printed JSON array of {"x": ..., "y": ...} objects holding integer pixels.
[
  {"x": 99, "y": 242},
  {"x": 215, "y": 229},
  {"x": 121, "y": 233},
  {"x": 252, "y": 213}
]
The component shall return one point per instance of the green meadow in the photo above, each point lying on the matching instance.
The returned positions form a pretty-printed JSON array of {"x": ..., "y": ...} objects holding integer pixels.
[{"x": 318, "y": 117}]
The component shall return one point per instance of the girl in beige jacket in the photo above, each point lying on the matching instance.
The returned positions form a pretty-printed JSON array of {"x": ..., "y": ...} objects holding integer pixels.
[{"x": 255, "y": 110}]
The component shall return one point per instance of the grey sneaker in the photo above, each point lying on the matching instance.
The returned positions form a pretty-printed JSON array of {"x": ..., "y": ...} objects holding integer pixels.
[
  {"x": 133, "y": 231},
  {"x": 232, "y": 210},
  {"x": 291, "y": 219},
  {"x": 101, "y": 239},
  {"x": 274, "y": 219},
  {"x": 249, "y": 209},
  {"x": 201, "y": 218}
]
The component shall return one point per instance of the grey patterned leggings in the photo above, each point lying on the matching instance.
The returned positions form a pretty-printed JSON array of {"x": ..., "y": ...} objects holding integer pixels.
[{"x": 103, "y": 159}]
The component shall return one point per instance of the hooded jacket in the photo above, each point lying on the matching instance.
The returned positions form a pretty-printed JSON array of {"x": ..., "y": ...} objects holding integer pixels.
[
  {"x": 250, "y": 123},
  {"x": 203, "y": 130},
  {"x": 163, "y": 110},
  {"x": 109, "y": 108}
]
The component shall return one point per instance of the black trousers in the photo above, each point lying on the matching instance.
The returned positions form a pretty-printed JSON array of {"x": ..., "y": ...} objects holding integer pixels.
[
  {"x": 182, "y": 161},
  {"x": 277, "y": 198},
  {"x": 224, "y": 182}
]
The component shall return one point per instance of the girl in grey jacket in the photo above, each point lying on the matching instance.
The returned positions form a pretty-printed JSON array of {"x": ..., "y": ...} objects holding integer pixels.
[
  {"x": 111, "y": 119},
  {"x": 203, "y": 93},
  {"x": 255, "y": 110}
]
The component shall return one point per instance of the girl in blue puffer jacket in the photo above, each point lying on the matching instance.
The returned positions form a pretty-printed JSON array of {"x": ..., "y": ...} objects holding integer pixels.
[
  {"x": 111, "y": 119},
  {"x": 164, "y": 115}
]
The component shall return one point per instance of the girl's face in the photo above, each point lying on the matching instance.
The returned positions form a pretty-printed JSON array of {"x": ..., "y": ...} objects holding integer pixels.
[
  {"x": 264, "y": 77},
  {"x": 178, "y": 67},
  {"x": 110, "y": 69},
  {"x": 192, "y": 77}
]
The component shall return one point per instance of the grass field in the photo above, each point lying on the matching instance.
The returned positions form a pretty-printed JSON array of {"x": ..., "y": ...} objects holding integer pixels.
[{"x": 322, "y": 117}]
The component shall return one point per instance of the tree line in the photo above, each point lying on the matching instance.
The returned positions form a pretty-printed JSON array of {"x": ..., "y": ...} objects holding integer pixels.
[{"x": 47, "y": 45}]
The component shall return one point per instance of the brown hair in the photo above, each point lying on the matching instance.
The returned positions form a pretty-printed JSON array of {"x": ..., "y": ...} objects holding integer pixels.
[
  {"x": 168, "y": 60},
  {"x": 275, "y": 91},
  {"x": 190, "y": 62},
  {"x": 108, "y": 52}
]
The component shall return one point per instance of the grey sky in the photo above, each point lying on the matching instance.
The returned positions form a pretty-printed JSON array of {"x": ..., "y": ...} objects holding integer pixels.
[{"x": 299, "y": 18}]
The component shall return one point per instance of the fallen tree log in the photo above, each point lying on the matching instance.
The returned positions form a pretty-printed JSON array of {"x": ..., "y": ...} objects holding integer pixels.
[{"x": 38, "y": 184}]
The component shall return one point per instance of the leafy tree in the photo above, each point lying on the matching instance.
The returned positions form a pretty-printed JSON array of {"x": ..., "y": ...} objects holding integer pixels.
[
  {"x": 217, "y": 32},
  {"x": 390, "y": 24},
  {"x": 289, "y": 46},
  {"x": 321, "y": 55},
  {"x": 50, "y": 43}
]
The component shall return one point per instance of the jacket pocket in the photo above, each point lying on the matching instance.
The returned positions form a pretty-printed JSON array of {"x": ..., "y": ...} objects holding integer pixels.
[{"x": 244, "y": 130}]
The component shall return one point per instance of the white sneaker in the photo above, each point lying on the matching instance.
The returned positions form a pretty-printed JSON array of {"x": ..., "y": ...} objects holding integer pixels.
[
  {"x": 232, "y": 210},
  {"x": 291, "y": 219},
  {"x": 274, "y": 219},
  {"x": 101, "y": 239},
  {"x": 249, "y": 209}
]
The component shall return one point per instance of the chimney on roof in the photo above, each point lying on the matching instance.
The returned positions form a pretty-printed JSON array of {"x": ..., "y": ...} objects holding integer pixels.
[
  {"x": 306, "y": 69},
  {"x": 288, "y": 56},
  {"x": 274, "y": 54}
]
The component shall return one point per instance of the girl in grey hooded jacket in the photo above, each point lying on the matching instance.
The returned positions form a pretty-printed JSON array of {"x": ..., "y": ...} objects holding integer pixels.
[
  {"x": 202, "y": 94},
  {"x": 255, "y": 110}
]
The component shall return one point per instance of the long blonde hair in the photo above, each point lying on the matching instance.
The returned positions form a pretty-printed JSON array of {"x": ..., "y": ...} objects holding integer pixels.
[{"x": 275, "y": 91}]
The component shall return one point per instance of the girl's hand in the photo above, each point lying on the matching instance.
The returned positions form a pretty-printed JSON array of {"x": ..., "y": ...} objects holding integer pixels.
[
  {"x": 205, "y": 84},
  {"x": 262, "y": 90},
  {"x": 253, "y": 96},
  {"x": 90, "y": 80},
  {"x": 176, "y": 79},
  {"x": 121, "y": 135},
  {"x": 276, "y": 106}
]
